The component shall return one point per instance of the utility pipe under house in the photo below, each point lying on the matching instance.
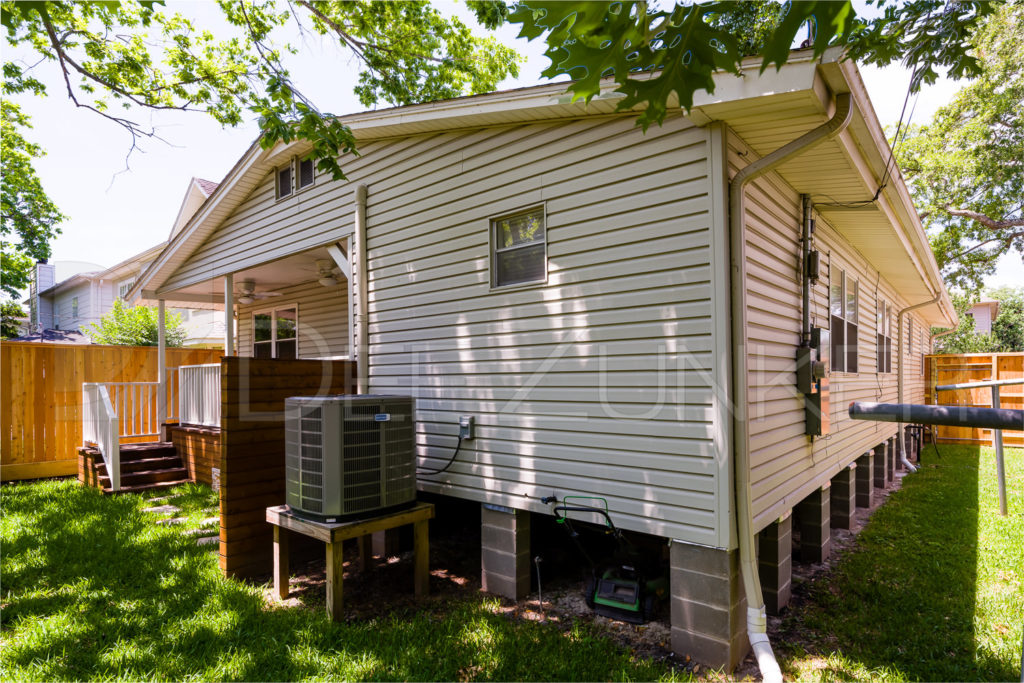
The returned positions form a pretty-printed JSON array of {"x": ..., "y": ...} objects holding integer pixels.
[{"x": 757, "y": 623}]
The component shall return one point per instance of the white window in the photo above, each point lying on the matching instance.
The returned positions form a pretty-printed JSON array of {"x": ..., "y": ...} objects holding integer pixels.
[
  {"x": 307, "y": 173},
  {"x": 844, "y": 300},
  {"x": 883, "y": 336},
  {"x": 275, "y": 333},
  {"x": 124, "y": 288},
  {"x": 74, "y": 308},
  {"x": 519, "y": 254},
  {"x": 284, "y": 182}
]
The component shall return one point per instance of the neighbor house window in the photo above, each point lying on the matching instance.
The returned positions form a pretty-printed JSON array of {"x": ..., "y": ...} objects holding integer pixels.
[
  {"x": 844, "y": 299},
  {"x": 883, "y": 336},
  {"x": 124, "y": 288},
  {"x": 74, "y": 308},
  {"x": 275, "y": 333},
  {"x": 306, "y": 174},
  {"x": 519, "y": 252},
  {"x": 284, "y": 182}
]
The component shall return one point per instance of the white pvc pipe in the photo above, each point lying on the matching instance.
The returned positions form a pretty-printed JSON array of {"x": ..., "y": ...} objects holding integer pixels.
[
  {"x": 161, "y": 370},
  {"x": 229, "y": 315},
  {"x": 362, "y": 314},
  {"x": 900, "y": 445},
  {"x": 757, "y": 623}
]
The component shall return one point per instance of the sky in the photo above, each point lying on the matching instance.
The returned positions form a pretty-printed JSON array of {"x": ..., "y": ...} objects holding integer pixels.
[{"x": 121, "y": 203}]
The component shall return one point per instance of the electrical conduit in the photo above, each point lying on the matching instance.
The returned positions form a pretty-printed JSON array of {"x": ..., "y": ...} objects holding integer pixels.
[{"x": 757, "y": 623}]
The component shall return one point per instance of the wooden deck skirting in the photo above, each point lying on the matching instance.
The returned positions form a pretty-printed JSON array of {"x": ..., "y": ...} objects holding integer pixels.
[
  {"x": 199, "y": 448},
  {"x": 252, "y": 449}
]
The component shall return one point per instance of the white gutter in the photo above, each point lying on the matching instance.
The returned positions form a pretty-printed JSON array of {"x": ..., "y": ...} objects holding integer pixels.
[
  {"x": 757, "y": 623},
  {"x": 362, "y": 319},
  {"x": 899, "y": 373}
]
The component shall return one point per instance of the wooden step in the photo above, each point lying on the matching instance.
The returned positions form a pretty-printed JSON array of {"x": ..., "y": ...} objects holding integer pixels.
[
  {"x": 139, "y": 488},
  {"x": 146, "y": 464},
  {"x": 148, "y": 477}
]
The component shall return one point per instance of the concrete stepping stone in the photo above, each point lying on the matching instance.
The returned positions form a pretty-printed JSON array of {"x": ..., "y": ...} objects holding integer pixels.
[
  {"x": 159, "y": 499},
  {"x": 171, "y": 521},
  {"x": 199, "y": 532},
  {"x": 207, "y": 540},
  {"x": 210, "y": 521},
  {"x": 162, "y": 509}
]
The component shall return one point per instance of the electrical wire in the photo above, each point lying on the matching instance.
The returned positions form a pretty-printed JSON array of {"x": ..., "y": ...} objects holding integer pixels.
[
  {"x": 447, "y": 465},
  {"x": 897, "y": 142}
]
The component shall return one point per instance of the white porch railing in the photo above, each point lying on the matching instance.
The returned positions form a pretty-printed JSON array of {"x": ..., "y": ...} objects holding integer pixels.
[
  {"x": 100, "y": 428},
  {"x": 199, "y": 395},
  {"x": 135, "y": 405}
]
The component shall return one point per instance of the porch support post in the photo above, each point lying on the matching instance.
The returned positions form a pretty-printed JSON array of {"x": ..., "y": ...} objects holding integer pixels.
[
  {"x": 161, "y": 366},
  {"x": 229, "y": 315}
]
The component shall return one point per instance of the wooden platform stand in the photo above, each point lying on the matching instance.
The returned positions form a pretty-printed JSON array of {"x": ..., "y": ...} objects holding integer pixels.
[{"x": 334, "y": 535}]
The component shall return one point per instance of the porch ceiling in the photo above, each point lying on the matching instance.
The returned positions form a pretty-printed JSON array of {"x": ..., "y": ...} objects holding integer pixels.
[{"x": 285, "y": 272}]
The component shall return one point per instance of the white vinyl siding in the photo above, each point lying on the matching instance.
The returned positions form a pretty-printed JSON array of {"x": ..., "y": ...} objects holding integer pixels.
[
  {"x": 323, "y": 319},
  {"x": 786, "y": 464},
  {"x": 262, "y": 228},
  {"x": 598, "y": 382},
  {"x": 601, "y": 381}
]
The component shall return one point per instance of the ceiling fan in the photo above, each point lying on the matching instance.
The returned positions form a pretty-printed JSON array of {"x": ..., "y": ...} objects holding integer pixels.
[
  {"x": 325, "y": 270},
  {"x": 249, "y": 294}
]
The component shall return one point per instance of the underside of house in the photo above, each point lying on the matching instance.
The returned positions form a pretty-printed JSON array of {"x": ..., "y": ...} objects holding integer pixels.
[{"x": 581, "y": 290}]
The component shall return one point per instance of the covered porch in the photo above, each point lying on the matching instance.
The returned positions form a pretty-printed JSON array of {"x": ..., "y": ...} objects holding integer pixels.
[{"x": 289, "y": 332}]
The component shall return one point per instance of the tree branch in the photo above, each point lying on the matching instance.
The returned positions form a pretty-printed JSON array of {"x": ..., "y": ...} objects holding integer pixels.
[
  {"x": 1005, "y": 239},
  {"x": 985, "y": 220}
]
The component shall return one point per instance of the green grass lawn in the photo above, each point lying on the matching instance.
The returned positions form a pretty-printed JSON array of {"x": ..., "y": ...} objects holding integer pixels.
[
  {"x": 934, "y": 589},
  {"x": 92, "y": 588}
]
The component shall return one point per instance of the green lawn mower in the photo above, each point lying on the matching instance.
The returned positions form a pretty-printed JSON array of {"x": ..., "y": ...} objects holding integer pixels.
[{"x": 622, "y": 587}]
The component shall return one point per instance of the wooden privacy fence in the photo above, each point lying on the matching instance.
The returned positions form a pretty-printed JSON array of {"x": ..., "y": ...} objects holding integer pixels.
[
  {"x": 41, "y": 397},
  {"x": 946, "y": 369}
]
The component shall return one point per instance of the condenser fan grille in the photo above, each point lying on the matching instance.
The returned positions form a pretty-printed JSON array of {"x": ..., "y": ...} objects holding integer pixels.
[
  {"x": 304, "y": 460},
  {"x": 349, "y": 456}
]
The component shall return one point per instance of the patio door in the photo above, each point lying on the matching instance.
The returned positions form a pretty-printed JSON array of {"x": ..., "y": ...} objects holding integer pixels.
[{"x": 275, "y": 333}]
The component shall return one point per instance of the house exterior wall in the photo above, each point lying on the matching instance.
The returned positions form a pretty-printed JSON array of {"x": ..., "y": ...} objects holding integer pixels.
[
  {"x": 982, "y": 314},
  {"x": 202, "y": 326},
  {"x": 89, "y": 309},
  {"x": 602, "y": 381},
  {"x": 787, "y": 465},
  {"x": 264, "y": 228},
  {"x": 598, "y": 383},
  {"x": 323, "y": 319}
]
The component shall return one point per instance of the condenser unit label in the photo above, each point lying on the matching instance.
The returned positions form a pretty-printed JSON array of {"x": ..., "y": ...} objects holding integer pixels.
[{"x": 382, "y": 417}]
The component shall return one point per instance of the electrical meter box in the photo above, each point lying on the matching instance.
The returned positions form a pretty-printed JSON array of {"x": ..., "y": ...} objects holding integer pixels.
[{"x": 812, "y": 380}]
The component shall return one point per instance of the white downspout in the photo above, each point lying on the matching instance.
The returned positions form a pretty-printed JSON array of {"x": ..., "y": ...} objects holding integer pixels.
[
  {"x": 899, "y": 374},
  {"x": 229, "y": 315},
  {"x": 757, "y": 622},
  {"x": 161, "y": 370},
  {"x": 362, "y": 317}
]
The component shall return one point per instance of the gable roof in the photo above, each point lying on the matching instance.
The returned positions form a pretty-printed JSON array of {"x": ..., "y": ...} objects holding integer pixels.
[{"x": 801, "y": 93}]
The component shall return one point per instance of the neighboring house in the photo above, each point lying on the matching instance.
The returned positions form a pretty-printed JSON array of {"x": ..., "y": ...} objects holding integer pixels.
[
  {"x": 550, "y": 269},
  {"x": 74, "y": 304},
  {"x": 984, "y": 314}
]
